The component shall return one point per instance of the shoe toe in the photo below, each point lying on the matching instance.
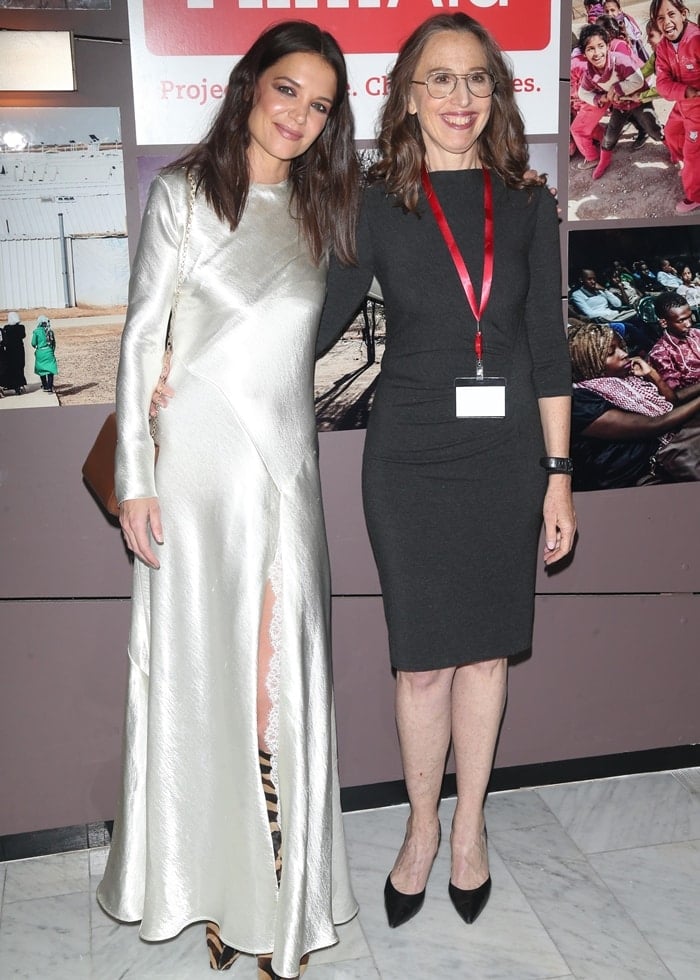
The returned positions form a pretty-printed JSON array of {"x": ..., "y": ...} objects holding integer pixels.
[
  {"x": 687, "y": 207},
  {"x": 470, "y": 902},
  {"x": 399, "y": 907}
]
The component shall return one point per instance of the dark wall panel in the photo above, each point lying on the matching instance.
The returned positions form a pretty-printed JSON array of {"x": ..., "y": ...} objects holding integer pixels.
[
  {"x": 364, "y": 693},
  {"x": 645, "y": 539},
  {"x": 642, "y": 540},
  {"x": 630, "y": 541},
  {"x": 61, "y": 711},
  {"x": 608, "y": 674},
  {"x": 55, "y": 540},
  {"x": 352, "y": 565}
]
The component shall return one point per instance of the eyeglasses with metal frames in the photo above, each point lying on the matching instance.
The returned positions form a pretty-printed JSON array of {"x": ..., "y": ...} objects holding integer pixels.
[{"x": 440, "y": 84}]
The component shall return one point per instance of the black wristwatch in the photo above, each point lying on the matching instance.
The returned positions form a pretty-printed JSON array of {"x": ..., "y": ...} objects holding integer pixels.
[{"x": 557, "y": 464}]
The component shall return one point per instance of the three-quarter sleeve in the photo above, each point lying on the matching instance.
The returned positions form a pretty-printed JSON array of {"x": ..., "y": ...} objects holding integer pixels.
[
  {"x": 151, "y": 290},
  {"x": 543, "y": 313},
  {"x": 347, "y": 287}
]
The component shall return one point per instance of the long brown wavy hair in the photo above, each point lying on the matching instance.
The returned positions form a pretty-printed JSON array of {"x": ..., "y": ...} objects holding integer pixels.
[
  {"x": 502, "y": 145},
  {"x": 325, "y": 179}
]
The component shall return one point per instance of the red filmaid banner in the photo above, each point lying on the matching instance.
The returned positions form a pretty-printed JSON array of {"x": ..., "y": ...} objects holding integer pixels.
[
  {"x": 225, "y": 27},
  {"x": 182, "y": 52}
]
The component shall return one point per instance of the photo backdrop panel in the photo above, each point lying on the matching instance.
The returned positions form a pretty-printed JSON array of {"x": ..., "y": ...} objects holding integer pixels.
[
  {"x": 634, "y": 337},
  {"x": 61, "y": 182},
  {"x": 63, "y": 244},
  {"x": 183, "y": 52},
  {"x": 616, "y": 108}
]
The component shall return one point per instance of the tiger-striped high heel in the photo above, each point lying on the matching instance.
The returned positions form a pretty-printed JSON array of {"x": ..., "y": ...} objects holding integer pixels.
[
  {"x": 221, "y": 956},
  {"x": 265, "y": 971},
  {"x": 272, "y": 811}
]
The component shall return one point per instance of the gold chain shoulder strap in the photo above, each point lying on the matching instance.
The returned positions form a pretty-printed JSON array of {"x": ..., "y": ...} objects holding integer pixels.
[
  {"x": 167, "y": 355},
  {"x": 192, "y": 185}
]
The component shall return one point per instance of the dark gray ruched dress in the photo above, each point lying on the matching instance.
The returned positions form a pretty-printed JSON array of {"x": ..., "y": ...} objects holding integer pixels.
[{"x": 454, "y": 506}]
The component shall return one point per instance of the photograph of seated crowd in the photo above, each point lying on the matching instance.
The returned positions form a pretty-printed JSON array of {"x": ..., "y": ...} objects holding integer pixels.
[
  {"x": 634, "y": 109},
  {"x": 634, "y": 340}
]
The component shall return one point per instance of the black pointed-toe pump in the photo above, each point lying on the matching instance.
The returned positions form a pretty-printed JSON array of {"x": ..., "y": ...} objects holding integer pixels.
[
  {"x": 399, "y": 907},
  {"x": 470, "y": 902}
]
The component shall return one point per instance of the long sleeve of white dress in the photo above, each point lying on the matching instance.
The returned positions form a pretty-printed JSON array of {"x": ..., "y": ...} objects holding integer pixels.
[{"x": 151, "y": 293}]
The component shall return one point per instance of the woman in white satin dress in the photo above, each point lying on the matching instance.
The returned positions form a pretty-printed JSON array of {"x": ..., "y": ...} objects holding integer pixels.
[{"x": 229, "y": 811}]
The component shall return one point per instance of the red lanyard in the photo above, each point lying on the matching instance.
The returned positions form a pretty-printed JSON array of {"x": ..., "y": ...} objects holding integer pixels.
[{"x": 459, "y": 262}]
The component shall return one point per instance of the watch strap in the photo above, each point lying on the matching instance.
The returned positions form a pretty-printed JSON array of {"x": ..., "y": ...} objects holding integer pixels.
[{"x": 557, "y": 464}]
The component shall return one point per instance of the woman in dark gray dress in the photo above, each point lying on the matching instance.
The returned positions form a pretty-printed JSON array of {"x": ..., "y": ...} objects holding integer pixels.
[{"x": 458, "y": 473}]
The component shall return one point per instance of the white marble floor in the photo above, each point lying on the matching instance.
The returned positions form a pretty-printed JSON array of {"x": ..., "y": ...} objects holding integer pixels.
[{"x": 596, "y": 881}]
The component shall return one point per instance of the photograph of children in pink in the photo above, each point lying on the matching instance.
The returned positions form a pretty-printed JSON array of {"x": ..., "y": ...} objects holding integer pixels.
[
  {"x": 609, "y": 86},
  {"x": 635, "y": 111}
]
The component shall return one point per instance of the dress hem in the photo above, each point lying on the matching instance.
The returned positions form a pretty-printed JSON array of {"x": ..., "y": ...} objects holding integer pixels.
[
  {"x": 463, "y": 663},
  {"x": 128, "y": 920}
]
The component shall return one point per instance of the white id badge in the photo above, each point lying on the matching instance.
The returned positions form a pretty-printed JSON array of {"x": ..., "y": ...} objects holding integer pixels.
[{"x": 480, "y": 398}]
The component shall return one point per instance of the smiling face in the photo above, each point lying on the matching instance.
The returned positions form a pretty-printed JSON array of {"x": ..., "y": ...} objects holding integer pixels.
[
  {"x": 450, "y": 126},
  {"x": 612, "y": 7},
  {"x": 293, "y": 99},
  {"x": 671, "y": 21},
  {"x": 596, "y": 52}
]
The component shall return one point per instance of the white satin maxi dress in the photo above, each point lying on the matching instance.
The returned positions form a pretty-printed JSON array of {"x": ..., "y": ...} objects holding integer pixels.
[{"x": 238, "y": 484}]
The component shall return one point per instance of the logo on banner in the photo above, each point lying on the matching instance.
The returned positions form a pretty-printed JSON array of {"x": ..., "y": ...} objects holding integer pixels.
[{"x": 229, "y": 27}]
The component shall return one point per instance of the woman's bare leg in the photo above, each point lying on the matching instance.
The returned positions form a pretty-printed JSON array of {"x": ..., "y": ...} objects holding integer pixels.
[
  {"x": 478, "y": 700},
  {"x": 266, "y": 653},
  {"x": 221, "y": 956},
  {"x": 423, "y": 722},
  {"x": 267, "y": 735}
]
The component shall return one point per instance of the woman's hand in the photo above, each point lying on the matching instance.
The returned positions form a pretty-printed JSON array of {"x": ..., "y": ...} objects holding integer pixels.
[
  {"x": 559, "y": 518},
  {"x": 162, "y": 393},
  {"x": 136, "y": 518},
  {"x": 641, "y": 368},
  {"x": 533, "y": 175}
]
